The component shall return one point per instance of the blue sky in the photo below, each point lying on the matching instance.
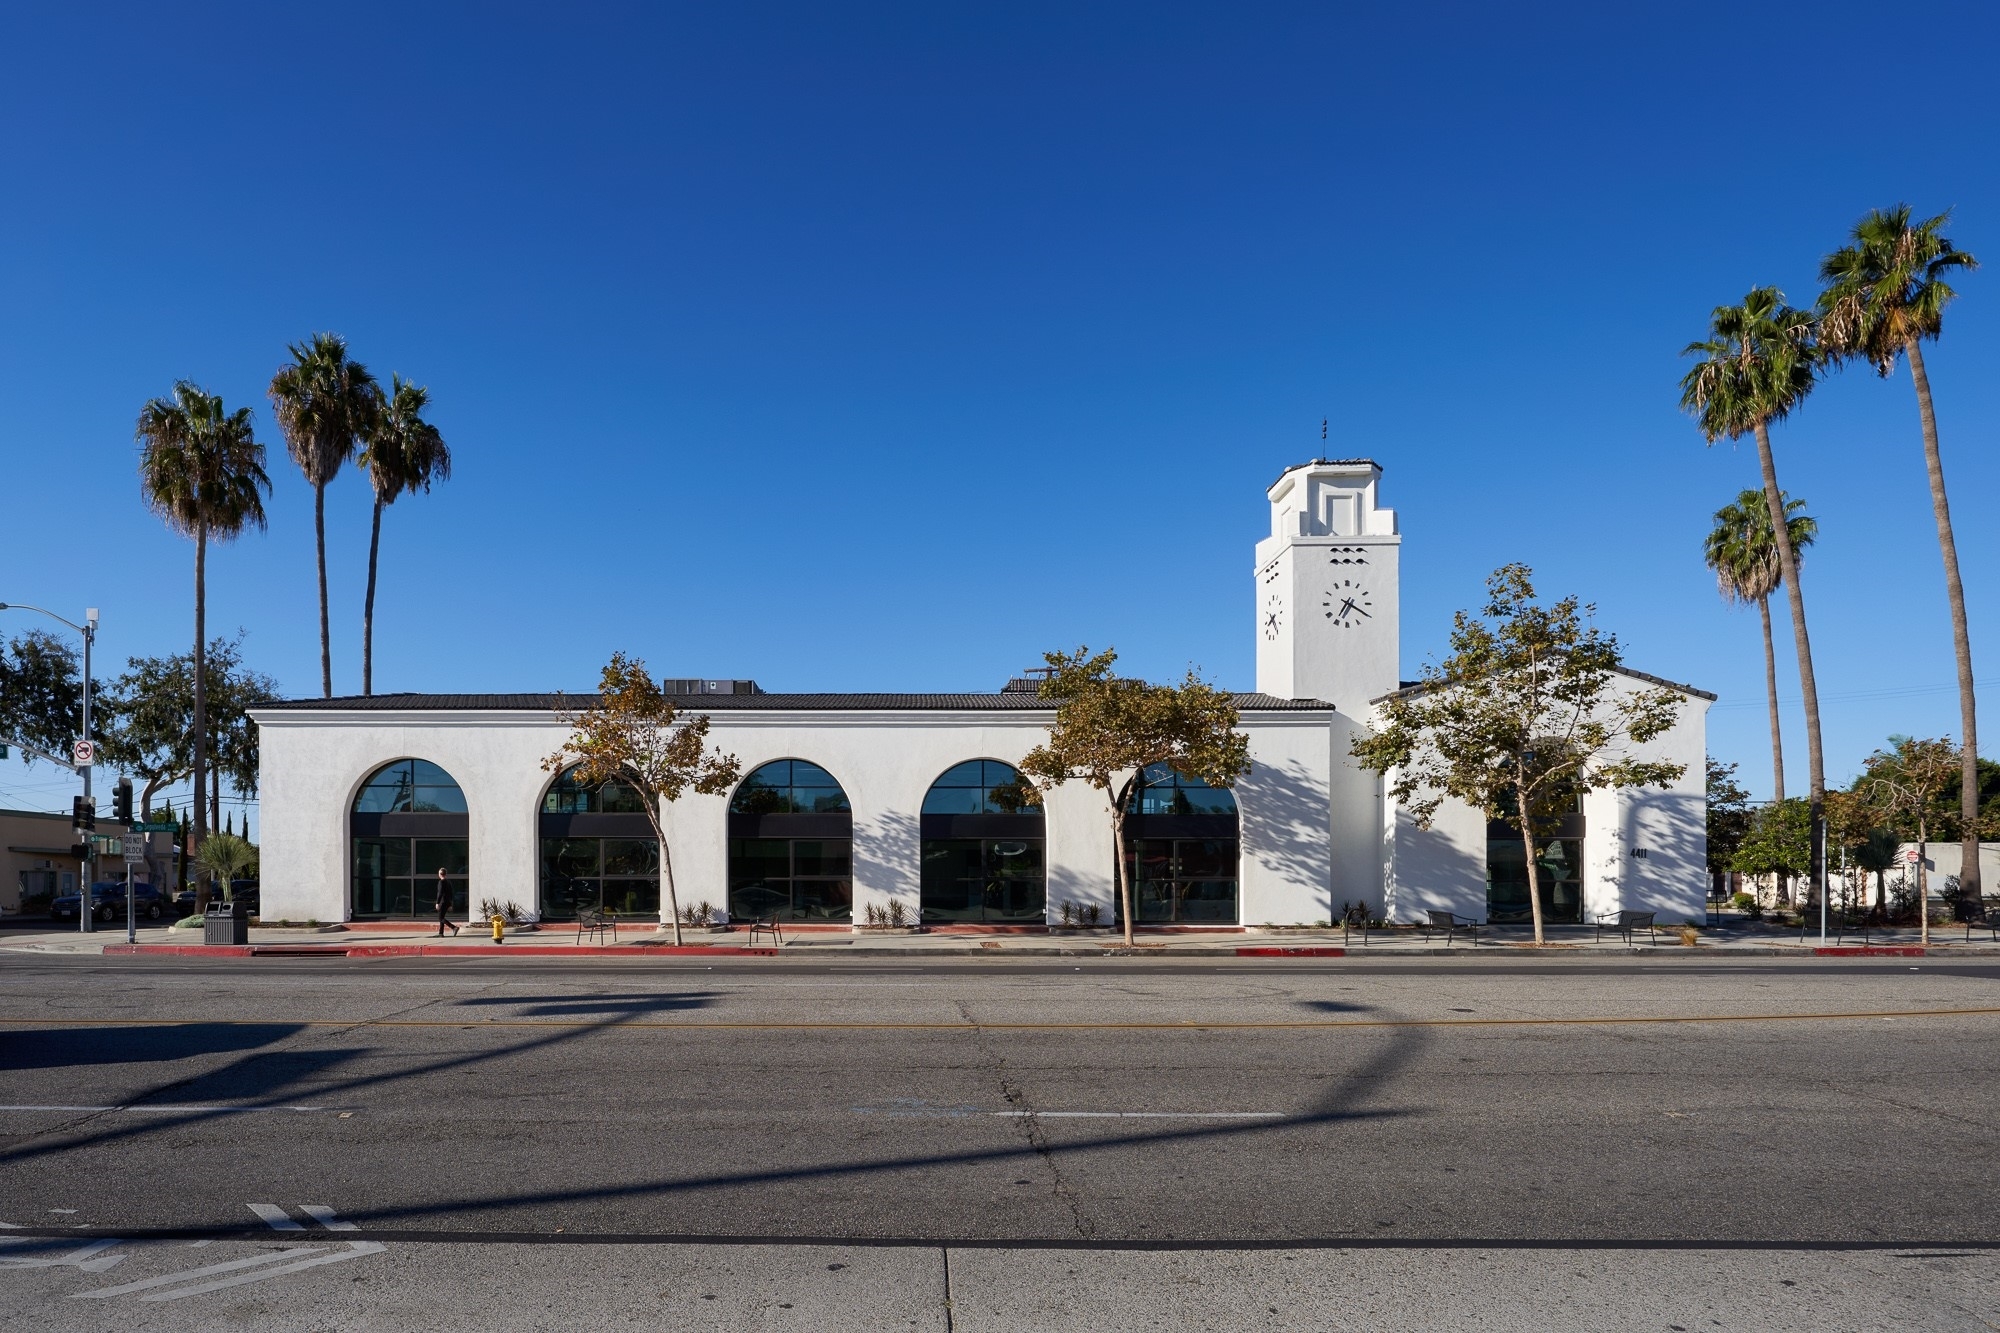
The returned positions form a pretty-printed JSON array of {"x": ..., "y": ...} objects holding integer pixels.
[{"x": 885, "y": 347}]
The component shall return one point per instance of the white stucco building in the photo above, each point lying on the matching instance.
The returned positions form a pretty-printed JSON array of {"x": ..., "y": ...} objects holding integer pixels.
[{"x": 853, "y": 801}]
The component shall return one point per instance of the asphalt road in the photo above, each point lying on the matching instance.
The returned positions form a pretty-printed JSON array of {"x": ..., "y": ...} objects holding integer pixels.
[{"x": 973, "y": 1145}]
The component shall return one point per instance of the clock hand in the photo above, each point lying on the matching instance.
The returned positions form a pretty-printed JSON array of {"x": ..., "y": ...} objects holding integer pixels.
[
  {"x": 1347, "y": 606},
  {"x": 1351, "y": 603}
]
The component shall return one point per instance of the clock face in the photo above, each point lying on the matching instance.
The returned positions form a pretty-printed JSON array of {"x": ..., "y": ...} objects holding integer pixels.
[
  {"x": 1274, "y": 616},
  {"x": 1348, "y": 604}
]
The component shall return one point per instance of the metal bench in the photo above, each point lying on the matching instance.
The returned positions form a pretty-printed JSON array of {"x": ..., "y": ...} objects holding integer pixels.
[
  {"x": 1626, "y": 922},
  {"x": 1450, "y": 923},
  {"x": 596, "y": 925},
  {"x": 1979, "y": 916},
  {"x": 768, "y": 926}
]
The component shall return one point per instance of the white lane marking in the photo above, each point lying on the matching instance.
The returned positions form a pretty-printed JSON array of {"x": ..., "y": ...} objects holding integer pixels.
[
  {"x": 275, "y": 1217},
  {"x": 166, "y": 1110},
  {"x": 356, "y": 1249},
  {"x": 1146, "y": 1115},
  {"x": 171, "y": 1278},
  {"x": 326, "y": 1217},
  {"x": 82, "y": 1258}
]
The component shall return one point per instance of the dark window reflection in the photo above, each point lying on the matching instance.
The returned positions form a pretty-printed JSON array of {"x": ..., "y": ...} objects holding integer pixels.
[
  {"x": 619, "y": 875},
  {"x": 789, "y": 787},
  {"x": 1162, "y": 791},
  {"x": 792, "y": 879},
  {"x": 1558, "y": 868},
  {"x": 410, "y": 786},
  {"x": 1182, "y": 881},
  {"x": 396, "y": 878}
]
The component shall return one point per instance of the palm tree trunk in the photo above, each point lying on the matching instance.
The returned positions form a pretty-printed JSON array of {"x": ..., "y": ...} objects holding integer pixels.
[
  {"x": 325, "y": 633},
  {"x": 1771, "y": 690},
  {"x": 368, "y": 606},
  {"x": 198, "y": 816},
  {"x": 1788, "y": 563},
  {"x": 1961, "y": 639}
]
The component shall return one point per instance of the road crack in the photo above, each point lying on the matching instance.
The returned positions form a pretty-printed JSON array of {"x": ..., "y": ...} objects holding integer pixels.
[{"x": 1029, "y": 1125}]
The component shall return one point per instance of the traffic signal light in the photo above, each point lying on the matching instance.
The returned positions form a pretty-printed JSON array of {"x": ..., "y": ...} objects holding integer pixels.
[
  {"x": 121, "y": 801},
  {"x": 81, "y": 851},
  {"x": 85, "y": 815}
]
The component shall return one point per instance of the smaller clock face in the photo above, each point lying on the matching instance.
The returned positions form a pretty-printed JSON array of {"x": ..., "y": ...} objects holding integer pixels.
[
  {"x": 1348, "y": 604},
  {"x": 1273, "y": 619}
]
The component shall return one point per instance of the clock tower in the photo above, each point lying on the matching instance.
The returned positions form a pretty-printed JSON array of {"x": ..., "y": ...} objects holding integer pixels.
[{"x": 1327, "y": 618}]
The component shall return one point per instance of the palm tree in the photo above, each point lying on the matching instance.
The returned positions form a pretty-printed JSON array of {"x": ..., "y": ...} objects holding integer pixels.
[
  {"x": 1744, "y": 555},
  {"x": 1884, "y": 295},
  {"x": 404, "y": 453},
  {"x": 326, "y": 403},
  {"x": 1757, "y": 365},
  {"x": 202, "y": 471}
]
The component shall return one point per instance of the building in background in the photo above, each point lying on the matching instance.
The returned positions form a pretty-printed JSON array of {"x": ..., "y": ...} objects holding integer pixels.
[{"x": 857, "y": 801}]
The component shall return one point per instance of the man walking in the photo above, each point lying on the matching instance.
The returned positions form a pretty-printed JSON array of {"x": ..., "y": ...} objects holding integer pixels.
[{"x": 444, "y": 905}]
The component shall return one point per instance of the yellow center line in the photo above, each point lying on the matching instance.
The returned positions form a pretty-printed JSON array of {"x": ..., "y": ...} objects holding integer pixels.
[{"x": 1187, "y": 1025}]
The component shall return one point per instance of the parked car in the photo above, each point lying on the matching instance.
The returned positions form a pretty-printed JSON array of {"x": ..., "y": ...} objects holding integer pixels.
[
  {"x": 108, "y": 902},
  {"x": 242, "y": 890}
]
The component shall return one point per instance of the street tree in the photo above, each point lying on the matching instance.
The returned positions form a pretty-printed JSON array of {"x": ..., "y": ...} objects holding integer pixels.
[
  {"x": 41, "y": 693},
  {"x": 202, "y": 471},
  {"x": 1524, "y": 716},
  {"x": 1778, "y": 843},
  {"x": 1743, "y": 552},
  {"x": 1108, "y": 728},
  {"x": 1728, "y": 818},
  {"x": 1756, "y": 366},
  {"x": 150, "y": 722},
  {"x": 633, "y": 731},
  {"x": 1884, "y": 297},
  {"x": 1908, "y": 782},
  {"x": 326, "y": 404},
  {"x": 403, "y": 453}
]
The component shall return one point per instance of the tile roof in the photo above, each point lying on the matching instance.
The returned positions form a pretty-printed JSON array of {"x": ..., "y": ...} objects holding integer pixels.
[{"x": 726, "y": 703}]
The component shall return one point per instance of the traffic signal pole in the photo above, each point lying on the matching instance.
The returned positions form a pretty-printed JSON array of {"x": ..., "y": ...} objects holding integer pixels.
[{"x": 86, "y": 913}]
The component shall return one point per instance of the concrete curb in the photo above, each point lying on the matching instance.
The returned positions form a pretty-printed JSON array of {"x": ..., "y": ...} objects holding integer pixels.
[{"x": 585, "y": 952}]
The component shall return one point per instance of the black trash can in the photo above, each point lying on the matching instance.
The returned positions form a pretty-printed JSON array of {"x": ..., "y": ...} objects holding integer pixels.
[{"x": 226, "y": 923}]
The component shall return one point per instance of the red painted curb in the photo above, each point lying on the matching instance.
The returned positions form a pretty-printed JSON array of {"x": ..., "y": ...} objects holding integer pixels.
[
  {"x": 433, "y": 950},
  {"x": 1871, "y": 951},
  {"x": 1292, "y": 951}
]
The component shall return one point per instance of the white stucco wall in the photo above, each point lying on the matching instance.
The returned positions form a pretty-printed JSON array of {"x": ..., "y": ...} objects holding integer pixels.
[
  {"x": 1444, "y": 866},
  {"x": 314, "y": 760}
]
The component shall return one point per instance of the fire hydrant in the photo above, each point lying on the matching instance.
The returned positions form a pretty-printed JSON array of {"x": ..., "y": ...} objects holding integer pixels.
[{"x": 499, "y": 928}]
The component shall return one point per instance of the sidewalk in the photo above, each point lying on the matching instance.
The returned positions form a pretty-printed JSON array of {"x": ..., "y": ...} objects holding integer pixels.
[{"x": 1734, "y": 939}]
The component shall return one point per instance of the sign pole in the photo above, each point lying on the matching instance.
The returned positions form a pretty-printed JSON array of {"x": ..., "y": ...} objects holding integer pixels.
[{"x": 131, "y": 922}]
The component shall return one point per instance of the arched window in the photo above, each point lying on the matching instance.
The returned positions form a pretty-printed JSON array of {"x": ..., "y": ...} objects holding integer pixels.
[
  {"x": 408, "y": 823},
  {"x": 1182, "y": 847},
  {"x": 791, "y": 846},
  {"x": 982, "y": 847},
  {"x": 597, "y": 850}
]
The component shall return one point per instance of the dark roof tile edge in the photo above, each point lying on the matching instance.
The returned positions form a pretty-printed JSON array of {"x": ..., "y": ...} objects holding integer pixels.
[
  {"x": 1417, "y": 686},
  {"x": 727, "y": 703}
]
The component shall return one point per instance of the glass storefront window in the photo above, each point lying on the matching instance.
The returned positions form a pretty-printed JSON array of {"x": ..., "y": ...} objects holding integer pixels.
[
  {"x": 1558, "y": 868},
  {"x": 791, "y": 879},
  {"x": 1183, "y": 881},
  {"x": 397, "y": 877},
  {"x": 620, "y": 875},
  {"x": 984, "y": 880}
]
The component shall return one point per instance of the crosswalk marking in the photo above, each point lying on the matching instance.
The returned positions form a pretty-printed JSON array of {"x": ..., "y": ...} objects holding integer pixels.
[{"x": 275, "y": 1217}]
